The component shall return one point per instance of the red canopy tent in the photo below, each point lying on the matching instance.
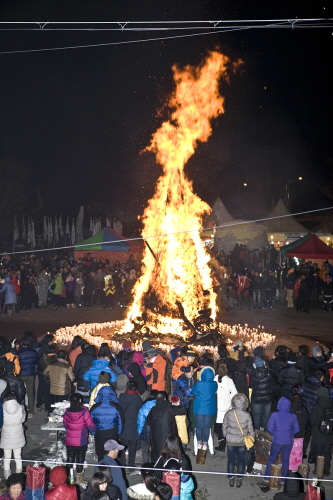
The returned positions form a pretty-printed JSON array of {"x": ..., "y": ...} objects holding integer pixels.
[{"x": 310, "y": 248}]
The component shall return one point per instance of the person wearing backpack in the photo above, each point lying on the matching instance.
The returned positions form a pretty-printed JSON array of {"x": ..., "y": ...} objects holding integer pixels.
[{"x": 321, "y": 418}]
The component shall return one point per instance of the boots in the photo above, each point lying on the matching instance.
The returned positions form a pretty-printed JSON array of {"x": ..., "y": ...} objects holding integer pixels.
[
  {"x": 232, "y": 481},
  {"x": 73, "y": 306},
  {"x": 239, "y": 482},
  {"x": 201, "y": 455}
]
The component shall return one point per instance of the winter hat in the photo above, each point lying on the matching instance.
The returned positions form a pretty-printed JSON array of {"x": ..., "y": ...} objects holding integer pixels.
[
  {"x": 292, "y": 358},
  {"x": 258, "y": 352},
  {"x": 315, "y": 350},
  {"x": 127, "y": 344},
  {"x": 190, "y": 352},
  {"x": 146, "y": 344},
  {"x": 3, "y": 385},
  {"x": 104, "y": 377},
  {"x": 58, "y": 475},
  {"x": 175, "y": 400},
  {"x": 150, "y": 353},
  {"x": 259, "y": 362}
]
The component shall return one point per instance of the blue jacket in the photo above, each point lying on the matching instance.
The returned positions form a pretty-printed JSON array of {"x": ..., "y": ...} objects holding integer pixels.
[
  {"x": 143, "y": 414},
  {"x": 106, "y": 412},
  {"x": 282, "y": 424},
  {"x": 182, "y": 389},
  {"x": 117, "y": 474},
  {"x": 28, "y": 360},
  {"x": 205, "y": 393},
  {"x": 9, "y": 291},
  {"x": 98, "y": 366}
]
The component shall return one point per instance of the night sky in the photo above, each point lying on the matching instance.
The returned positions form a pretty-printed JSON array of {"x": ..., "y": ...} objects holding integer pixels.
[{"x": 77, "y": 120}]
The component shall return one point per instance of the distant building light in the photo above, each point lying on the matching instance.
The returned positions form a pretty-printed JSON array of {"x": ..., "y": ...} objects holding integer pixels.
[
  {"x": 245, "y": 183},
  {"x": 271, "y": 237},
  {"x": 287, "y": 242},
  {"x": 300, "y": 178}
]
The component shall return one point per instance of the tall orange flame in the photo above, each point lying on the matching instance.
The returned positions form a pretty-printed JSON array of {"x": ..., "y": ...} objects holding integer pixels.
[{"x": 176, "y": 270}]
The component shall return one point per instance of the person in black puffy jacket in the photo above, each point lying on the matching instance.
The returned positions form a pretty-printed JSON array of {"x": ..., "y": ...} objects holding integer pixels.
[
  {"x": 15, "y": 383},
  {"x": 302, "y": 417},
  {"x": 28, "y": 361},
  {"x": 82, "y": 364},
  {"x": 290, "y": 375},
  {"x": 131, "y": 403},
  {"x": 263, "y": 391}
]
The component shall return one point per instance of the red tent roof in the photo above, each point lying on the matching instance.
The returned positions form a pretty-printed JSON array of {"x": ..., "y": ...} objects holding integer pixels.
[{"x": 312, "y": 248}]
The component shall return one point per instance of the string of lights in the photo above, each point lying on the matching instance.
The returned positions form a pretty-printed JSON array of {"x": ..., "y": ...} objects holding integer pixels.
[{"x": 143, "y": 238}]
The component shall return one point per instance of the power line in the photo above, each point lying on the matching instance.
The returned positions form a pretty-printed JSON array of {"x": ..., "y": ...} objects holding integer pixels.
[
  {"x": 143, "y": 238},
  {"x": 281, "y": 24}
]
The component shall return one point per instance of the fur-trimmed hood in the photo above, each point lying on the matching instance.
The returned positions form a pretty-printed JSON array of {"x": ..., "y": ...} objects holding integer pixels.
[{"x": 140, "y": 492}]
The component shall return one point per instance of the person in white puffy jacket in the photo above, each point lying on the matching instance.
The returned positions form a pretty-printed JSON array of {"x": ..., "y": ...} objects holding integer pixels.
[
  {"x": 225, "y": 392},
  {"x": 12, "y": 435}
]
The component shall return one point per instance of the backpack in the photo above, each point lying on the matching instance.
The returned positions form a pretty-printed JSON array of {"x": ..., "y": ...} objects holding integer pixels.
[{"x": 326, "y": 422}]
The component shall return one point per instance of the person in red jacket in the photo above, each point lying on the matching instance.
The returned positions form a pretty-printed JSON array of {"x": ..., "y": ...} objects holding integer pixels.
[
  {"x": 78, "y": 423},
  {"x": 61, "y": 490}
]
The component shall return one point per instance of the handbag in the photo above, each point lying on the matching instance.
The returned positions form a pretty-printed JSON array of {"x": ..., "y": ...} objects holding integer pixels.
[{"x": 248, "y": 439}]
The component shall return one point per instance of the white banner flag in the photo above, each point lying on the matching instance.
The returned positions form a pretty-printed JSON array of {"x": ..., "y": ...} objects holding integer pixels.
[
  {"x": 61, "y": 232},
  {"x": 73, "y": 233},
  {"x": 56, "y": 238},
  {"x": 67, "y": 228},
  {"x": 16, "y": 230}
]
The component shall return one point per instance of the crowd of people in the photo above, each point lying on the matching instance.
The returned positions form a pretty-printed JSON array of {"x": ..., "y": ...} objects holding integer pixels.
[
  {"x": 154, "y": 401},
  {"x": 63, "y": 281},
  {"x": 255, "y": 279},
  {"x": 243, "y": 278}
]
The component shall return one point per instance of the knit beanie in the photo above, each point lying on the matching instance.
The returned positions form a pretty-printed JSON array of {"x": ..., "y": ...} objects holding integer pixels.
[
  {"x": 127, "y": 344},
  {"x": 58, "y": 475},
  {"x": 146, "y": 344},
  {"x": 150, "y": 353},
  {"x": 239, "y": 343},
  {"x": 190, "y": 353},
  {"x": 175, "y": 400},
  {"x": 315, "y": 350},
  {"x": 104, "y": 377},
  {"x": 258, "y": 352}
]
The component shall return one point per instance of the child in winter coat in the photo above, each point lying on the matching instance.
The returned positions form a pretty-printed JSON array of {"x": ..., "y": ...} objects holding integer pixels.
[
  {"x": 282, "y": 425},
  {"x": 103, "y": 381},
  {"x": 182, "y": 363},
  {"x": 12, "y": 435},
  {"x": 78, "y": 423},
  {"x": 143, "y": 427},
  {"x": 180, "y": 414}
]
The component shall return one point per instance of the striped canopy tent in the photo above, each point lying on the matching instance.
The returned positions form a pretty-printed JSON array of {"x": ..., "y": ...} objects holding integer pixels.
[
  {"x": 310, "y": 247},
  {"x": 108, "y": 244}
]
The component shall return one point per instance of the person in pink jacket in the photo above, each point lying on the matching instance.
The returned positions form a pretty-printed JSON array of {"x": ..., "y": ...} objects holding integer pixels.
[{"x": 78, "y": 423}]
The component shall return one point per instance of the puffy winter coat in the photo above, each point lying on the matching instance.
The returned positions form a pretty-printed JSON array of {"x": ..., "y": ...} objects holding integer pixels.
[
  {"x": 99, "y": 365},
  {"x": 262, "y": 384},
  {"x": 124, "y": 358},
  {"x": 283, "y": 424},
  {"x": 28, "y": 361},
  {"x": 58, "y": 282},
  {"x": 62, "y": 492},
  {"x": 60, "y": 375},
  {"x": 231, "y": 430},
  {"x": 12, "y": 435},
  {"x": 179, "y": 366},
  {"x": 143, "y": 414},
  {"x": 309, "y": 392},
  {"x": 205, "y": 393},
  {"x": 131, "y": 403},
  {"x": 73, "y": 355},
  {"x": 288, "y": 377},
  {"x": 9, "y": 290},
  {"x": 226, "y": 390},
  {"x": 182, "y": 388},
  {"x": 16, "y": 386},
  {"x": 84, "y": 361},
  {"x": 107, "y": 413},
  {"x": 78, "y": 425},
  {"x": 323, "y": 403},
  {"x": 155, "y": 373},
  {"x": 302, "y": 417},
  {"x": 162, "y": 423}
]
